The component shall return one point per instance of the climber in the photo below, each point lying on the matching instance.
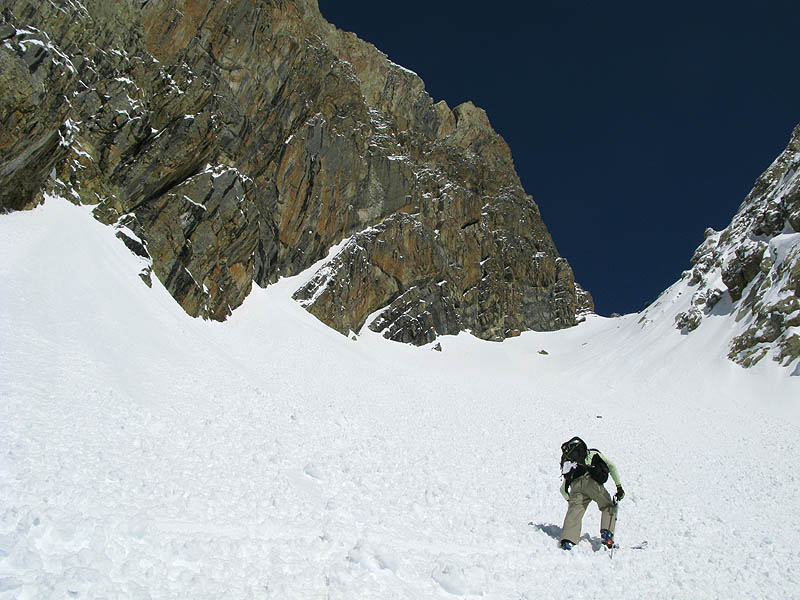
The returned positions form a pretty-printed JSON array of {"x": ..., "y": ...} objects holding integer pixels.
[{"x": 585, "y": 472}]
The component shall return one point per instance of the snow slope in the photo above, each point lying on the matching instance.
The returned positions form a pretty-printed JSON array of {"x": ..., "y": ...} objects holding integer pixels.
[{"x": 144, "y": 454}]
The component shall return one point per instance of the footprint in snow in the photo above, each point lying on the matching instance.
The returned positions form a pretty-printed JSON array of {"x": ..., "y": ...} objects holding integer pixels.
[{"x": 313, "y": 471}]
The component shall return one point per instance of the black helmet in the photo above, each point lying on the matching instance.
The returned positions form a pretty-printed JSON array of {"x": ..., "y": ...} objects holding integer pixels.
[{"x": 574, "y": 450}]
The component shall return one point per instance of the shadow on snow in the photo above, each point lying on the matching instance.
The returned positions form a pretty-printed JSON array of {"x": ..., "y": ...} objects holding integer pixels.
[{"x": 554, "y": 531}]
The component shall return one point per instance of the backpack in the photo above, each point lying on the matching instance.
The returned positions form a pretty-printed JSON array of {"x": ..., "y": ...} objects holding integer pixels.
[
  {"x": 598, "y": 470},
  {"x": 573, "y": 454}
]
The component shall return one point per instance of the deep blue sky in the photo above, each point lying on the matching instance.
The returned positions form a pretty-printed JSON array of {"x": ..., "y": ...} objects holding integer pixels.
[{"x": 634, "y": 126}]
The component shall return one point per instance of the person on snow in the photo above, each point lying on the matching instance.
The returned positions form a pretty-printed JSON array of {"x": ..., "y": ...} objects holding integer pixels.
[{"x": 585, "y": 472}]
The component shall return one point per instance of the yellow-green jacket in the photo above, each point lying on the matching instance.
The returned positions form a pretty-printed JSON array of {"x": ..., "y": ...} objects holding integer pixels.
[{"x": 612, "y": 470}]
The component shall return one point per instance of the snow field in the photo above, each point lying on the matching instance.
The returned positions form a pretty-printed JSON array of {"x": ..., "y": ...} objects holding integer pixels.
[{"x": 144, "y": 454}]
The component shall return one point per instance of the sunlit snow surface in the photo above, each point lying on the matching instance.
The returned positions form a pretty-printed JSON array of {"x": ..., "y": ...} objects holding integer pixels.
[{"x": 145, "y": 454}]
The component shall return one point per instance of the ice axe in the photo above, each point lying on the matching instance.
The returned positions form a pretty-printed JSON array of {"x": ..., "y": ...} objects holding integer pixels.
[{"x": 616, "y": 521}]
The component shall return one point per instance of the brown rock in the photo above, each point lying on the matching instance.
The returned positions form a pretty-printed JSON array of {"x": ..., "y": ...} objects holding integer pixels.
[{"x": 241, "y": 140}]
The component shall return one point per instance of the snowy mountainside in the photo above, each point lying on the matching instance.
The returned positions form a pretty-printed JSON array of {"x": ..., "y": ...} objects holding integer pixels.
[
  {"x": 145, "y": 454},
  {"x": 750, "y": 271}
]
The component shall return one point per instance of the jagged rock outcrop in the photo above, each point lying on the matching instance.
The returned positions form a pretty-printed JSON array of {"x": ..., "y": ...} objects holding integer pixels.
[
  {"x": 585, "y": 301},
  {"x": 755, "y": 262},
  {"x": 237, "y": 142}
]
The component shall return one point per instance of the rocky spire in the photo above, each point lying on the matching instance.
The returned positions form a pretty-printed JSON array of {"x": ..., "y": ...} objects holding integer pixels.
[
  {"x": 237, "y": 142},
  {"x": 754, "y": 266}
]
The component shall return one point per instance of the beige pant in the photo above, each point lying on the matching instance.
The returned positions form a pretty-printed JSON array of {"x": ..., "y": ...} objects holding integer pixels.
[{"x": 581, "y": 492}]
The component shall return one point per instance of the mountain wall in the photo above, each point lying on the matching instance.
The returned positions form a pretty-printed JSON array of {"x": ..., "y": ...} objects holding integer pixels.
[
  {"x": 750, "y": 271},
  {"x": 237, "y": 142}
]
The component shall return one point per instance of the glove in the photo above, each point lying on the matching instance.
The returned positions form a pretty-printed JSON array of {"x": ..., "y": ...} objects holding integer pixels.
[{"x": 620, "y": 493}]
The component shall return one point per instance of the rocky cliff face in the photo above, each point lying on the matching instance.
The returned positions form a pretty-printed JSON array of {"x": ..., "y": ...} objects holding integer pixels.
[
  {"x": 751, "y": 269},
  {"x": 237, "y": 142}
]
